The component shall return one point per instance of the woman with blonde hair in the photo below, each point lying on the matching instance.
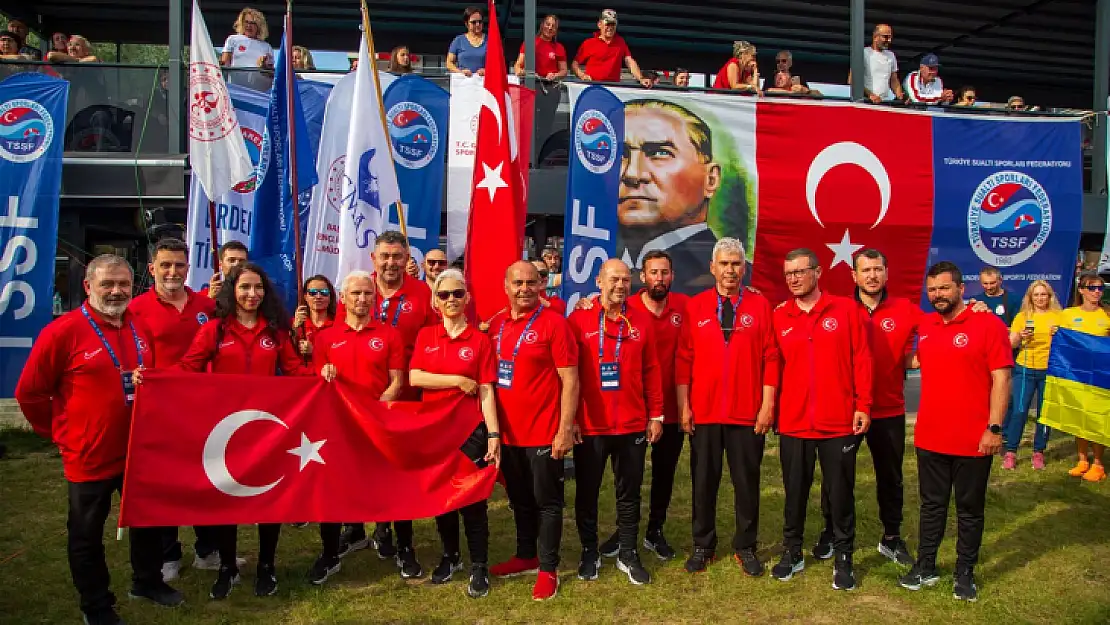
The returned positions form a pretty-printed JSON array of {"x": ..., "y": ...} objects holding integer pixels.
[
  {"x": 1032, "y": 332},
  {"x": 248, "y": 47},
  {"x": 302, "y": 59},
  {"x": 741, "y": 71},
  {"x": 1088, "y": 317}
]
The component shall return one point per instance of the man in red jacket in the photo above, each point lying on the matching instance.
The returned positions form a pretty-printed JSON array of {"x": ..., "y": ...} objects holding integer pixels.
[
  {"x": 77, "y": 389},
  {"x": 727, "y": 370},
  {"x": 823, "y": 409},
  {"x": 621, "y": 411}
]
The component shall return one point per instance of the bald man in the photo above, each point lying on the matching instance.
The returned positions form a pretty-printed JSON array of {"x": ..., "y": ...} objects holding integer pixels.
[
  {"x": 537, "y": 397},
  {"x": 621, "y": 412}
]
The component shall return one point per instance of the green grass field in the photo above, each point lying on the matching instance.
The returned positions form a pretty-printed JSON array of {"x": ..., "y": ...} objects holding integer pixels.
[{"x": 1044, "y": 560}]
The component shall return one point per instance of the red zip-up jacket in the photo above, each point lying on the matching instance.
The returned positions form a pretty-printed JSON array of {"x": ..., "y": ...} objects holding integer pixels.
[
  {"x": 72, "y": 393},
  {"x": 667, "y": 326},
  {"x": 726, "y": 379},
  {"x": 260, "y": 350},
  {"x": 891, "y": 327},
  {"x": 826, "y": 367},
  {"x": 627, "y": 410}
]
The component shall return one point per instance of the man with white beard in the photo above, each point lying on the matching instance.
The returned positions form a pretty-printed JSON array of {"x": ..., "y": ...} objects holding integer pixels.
[{"x": 77, "y": 389}]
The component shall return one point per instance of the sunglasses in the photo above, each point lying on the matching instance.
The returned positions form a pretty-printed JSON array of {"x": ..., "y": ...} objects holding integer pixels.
[
  {"x": 435, "y": 263},
  {"x": 1094, "y": 288},
  {"x": 477, "y": 21},
  {"x": 446, "y": 295},
  {"x": 318, "y": 292}
]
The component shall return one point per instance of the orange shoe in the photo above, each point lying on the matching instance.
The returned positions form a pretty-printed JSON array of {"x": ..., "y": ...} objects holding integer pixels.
[
  {"x": 1080, "y": 468},
  {"x": 547, "y": 586},
  {"x": 1096, "y": 474}
]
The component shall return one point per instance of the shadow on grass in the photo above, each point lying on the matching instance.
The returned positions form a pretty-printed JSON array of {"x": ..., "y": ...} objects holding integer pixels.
[{"x": 19, "y": 443}]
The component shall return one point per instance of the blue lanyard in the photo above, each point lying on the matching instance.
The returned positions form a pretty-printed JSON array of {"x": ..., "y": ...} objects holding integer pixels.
[
  {"x": 601, "y": 335},
  {"x": 396, "y": 311},
  {"x": 112, "y": 352},
  {"x": 721, "y": 303},
  {"x": 520, "y": 339}
]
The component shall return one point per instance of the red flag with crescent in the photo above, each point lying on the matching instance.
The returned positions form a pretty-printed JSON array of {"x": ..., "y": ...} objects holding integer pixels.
[
  {"x": 839, "y": 179},
  {"x": 254, "y": 449}
]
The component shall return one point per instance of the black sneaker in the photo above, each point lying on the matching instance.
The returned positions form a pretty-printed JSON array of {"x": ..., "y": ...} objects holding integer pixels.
[
  {"x": 895, "y": 550},
  {"x": 920, "y": 575},
  {"x": 225, "y": 579},
  {"x": 610, "y": 548},
  {"x": 408, "y": 565},
  {"x": 322, "y": 569},
  {"x": 449, "y": 564},
  {"x": 107, "y": 616},
  {"x": 353, "y": 539},
  {"x": 823, "y": 550},
  {"x": 965, "y": 588},
  {"x": 700, "y": 560},
  {"x": 843, "y": 576},
  {"x": 300, "y": 526},
  {"x": 383, "y": 542},
  {"x": 265, "y": 582},
  {"x": 589, "y": 565},
  {"x": 656, "y": 542},
  {"x": 629, "y": 563},
  {"x": 788, "y": 565},
  {"x": 749, "y": 562},
  {"x": 479, "y": 581},
  {"x": 159, "y": 592}
]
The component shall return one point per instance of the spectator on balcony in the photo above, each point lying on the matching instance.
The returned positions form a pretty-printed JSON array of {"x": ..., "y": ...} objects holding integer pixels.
[
  {"x": 880, "y": 78},
  {"x": 682, "y": 78},
  {"x": 1015, "y": 103},
  {"x": 740, "y": 73},
  {"x": 58, "y": 42},
  {"x": 652, "y": 76},
  {"x": 399, "y": 61},
  {"x": 302, "y": 59},
  {"x": 20, "y": 29},
  {"x": 924, "y": 85},
  {"x": 248, "y": 47},
  {"x": 967, "y": 96},
  {"x": 785, "y": 79},
  {"x": 600, "y": 57},
  {"x": 551, "y": 56},
  {"x": 467, "y": 54},
  {"x": 9, "y": 47},
  {"x": 78, "y": 50}
]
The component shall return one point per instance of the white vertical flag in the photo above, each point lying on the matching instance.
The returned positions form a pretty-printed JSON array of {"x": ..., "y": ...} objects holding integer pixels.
[
  {"x": 370, "y": 182},
  {"x": 217, "y": 154}
]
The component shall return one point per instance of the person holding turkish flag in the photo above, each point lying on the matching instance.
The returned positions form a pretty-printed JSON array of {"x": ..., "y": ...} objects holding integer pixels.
[{"x": 249, "y": 334}]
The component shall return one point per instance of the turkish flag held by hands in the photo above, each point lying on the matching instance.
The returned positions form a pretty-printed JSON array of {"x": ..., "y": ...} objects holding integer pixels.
[
  {"x": 495, "y": 232},
  {"x": 838, "y": 179},
  {"x": 253, "y": 449}
]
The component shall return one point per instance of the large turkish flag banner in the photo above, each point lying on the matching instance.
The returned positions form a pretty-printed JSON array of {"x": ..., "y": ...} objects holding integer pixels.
[
  {"x": 210, "y": 449},
  {"x": 838, "y": 179}
]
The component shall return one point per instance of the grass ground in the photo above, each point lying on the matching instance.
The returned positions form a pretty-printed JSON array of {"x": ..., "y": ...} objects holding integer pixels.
[{"x": 1044, "y": 560}]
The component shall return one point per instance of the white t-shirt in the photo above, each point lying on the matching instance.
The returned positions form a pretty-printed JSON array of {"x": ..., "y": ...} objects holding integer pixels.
[
  {"x": 878, "y": 68},
  {"x": 245, "y": 51},
  {"x": 918, "y": 91}
]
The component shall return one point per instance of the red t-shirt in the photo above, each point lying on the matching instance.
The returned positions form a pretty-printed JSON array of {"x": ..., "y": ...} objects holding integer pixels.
[
  {"x": 721, "y": 81},
  {"x": 726, "y": 379},
  {"x": 826, "y": 367},
  {"x": 172, "y": 331},
  {"x": 602, "y": 60},
  {"x": 603, "y": 412},
  {"x": 361, "y": 357},
  {"x": 469, "y": 354},
  {"x": 666, "y": 327},
  {"x": 957, "y": 359},
  {"x": 892, "y": 327},
  {"x": 260, "y": 350},
  {"x": 557, "y": 304},
  {"x": 71, "y": 392},
  {"x": 530, "y": 408},
  {"x": 548, "y": 55},
  {"x": 309, "y": 331}
]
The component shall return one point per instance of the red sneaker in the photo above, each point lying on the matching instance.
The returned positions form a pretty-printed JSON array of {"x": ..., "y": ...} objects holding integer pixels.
[
  {"x": 547, "y": 586},
  {"x": 515, "y": 566}
]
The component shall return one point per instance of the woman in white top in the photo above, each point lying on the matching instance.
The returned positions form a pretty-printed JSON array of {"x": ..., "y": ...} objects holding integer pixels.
[{"x": 248, "y": 47}]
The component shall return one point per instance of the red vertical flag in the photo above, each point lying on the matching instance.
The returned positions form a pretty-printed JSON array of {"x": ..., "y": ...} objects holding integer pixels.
[{"x": 495, "y": 235}]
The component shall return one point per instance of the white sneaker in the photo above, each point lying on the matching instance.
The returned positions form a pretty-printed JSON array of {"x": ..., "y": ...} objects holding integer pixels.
[
  {"x": 211, "y": 562},
  {"x": 171, "y": 570}
]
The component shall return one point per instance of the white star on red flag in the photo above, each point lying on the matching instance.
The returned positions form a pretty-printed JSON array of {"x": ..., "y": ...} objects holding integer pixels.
[{"x": 493, "y": 180}]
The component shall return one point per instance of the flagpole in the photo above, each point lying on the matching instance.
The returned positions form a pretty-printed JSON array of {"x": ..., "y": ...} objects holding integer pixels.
[
  {"x": 291, "y": 116},
  {"x": 373, "y": 54},
  {"x": 214, "y": 233}
]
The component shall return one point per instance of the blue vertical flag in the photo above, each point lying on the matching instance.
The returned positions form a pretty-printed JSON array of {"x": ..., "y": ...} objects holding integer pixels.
[{"x": 273, "y": 240}]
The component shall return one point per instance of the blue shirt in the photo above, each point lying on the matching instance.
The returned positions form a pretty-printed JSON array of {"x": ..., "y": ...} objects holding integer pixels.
[
  {"x": 466, "y": 55},
  {"x": 1001, "y": 306}
]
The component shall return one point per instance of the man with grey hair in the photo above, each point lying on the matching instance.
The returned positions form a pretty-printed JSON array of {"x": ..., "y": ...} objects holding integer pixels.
[
  {"x": 726, "y": 372},
  {"x": 76, "y": 390}
]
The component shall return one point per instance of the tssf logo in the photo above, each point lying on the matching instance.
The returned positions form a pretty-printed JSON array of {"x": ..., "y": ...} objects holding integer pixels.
[
  {"x": 414, "y": 134},
  {"x": 595, "y": 142},
  {"x": 26, "y": 130},
  {"x": 1009, "y": 219}
]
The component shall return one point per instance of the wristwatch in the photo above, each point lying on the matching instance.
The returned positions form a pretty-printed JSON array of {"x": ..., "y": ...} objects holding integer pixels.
[
  {"x": 995, "y": 428},
  {"x": 493, "y": 435}
]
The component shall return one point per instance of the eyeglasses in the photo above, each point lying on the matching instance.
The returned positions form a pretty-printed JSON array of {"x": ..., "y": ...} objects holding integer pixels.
[
  {"x": 434, "y": 262},
  {"x": 1094, "y": 288},
  {"x": 318, "y": 292},
  {"x": 797, "y": 273},
  {"x": 250, "y": 22},
  {"x": 446, "y": 295}
]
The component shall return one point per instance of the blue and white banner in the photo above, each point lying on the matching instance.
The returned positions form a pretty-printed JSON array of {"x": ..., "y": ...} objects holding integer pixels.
[
  {"x": 417, "y": 111},
  {"x": 593, "y": 181},
  {"x": 1008, "y": 194},
  {"x": 32, "y": 122}
]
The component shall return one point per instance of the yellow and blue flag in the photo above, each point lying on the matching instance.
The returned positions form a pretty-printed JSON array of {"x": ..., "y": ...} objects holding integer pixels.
[{"x": 1077, "y": 388}]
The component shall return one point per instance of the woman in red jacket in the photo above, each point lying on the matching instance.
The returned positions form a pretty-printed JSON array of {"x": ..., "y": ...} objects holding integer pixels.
[
  {"x": 316, "y": 313},
  {"x": 249, "y": 334}
]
